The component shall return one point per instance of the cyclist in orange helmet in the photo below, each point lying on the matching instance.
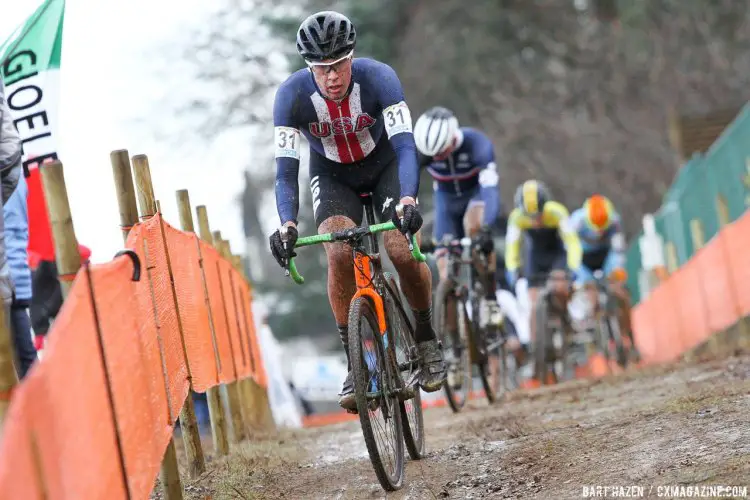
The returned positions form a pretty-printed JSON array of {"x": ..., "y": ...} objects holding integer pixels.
[{"x": 599, "y": 229}]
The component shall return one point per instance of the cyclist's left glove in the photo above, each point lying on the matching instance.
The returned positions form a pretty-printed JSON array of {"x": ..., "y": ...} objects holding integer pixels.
[
  {"x": 281, "y": 254},
  {"x": 484, "y": 241},
  {"x": 411, "y": 222}
]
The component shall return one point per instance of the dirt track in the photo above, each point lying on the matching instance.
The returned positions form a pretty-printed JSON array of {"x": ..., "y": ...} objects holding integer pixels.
[{"x": 687, "y": 424}]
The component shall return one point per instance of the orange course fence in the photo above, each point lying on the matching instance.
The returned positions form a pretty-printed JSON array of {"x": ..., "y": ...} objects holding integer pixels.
[
  {"x": 94, "y": 417},
  {"x": 710, "y": 293}
]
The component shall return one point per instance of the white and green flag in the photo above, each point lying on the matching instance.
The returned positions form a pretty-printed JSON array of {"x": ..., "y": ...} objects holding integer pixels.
[{"x": 30, "y": 69}]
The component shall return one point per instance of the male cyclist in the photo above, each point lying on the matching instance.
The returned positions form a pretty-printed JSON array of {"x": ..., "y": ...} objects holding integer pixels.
[
  {"x": 355, "y": 118},
  {"x": 461, "y": 160},
  {"x": 599, "y": 229},
  {"x": 551, "y": 246}
]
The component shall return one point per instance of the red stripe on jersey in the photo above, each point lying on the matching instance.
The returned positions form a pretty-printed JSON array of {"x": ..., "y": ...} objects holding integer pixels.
[
  {"x": 351, "y": 137},
  {"x": 341, "y": 145}
]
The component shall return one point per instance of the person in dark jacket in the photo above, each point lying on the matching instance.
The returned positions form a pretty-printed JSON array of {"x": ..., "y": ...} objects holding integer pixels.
[{"x": 47, "y": 299}]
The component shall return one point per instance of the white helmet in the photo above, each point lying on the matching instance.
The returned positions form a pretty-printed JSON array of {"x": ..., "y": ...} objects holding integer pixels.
[{"x": 435, "y": 130}]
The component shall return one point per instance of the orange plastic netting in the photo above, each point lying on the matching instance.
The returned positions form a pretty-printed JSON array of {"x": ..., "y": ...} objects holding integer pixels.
[
  {"x": 708, "y": 294},
  {"x": 92, "y": 419}
]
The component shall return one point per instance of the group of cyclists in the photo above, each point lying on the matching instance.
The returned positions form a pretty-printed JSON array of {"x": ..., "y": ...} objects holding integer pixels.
[{"x": 354, "y": 115}]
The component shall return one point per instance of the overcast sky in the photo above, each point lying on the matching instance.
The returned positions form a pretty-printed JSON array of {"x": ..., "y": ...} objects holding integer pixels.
[{"x": 110, "y": 81}]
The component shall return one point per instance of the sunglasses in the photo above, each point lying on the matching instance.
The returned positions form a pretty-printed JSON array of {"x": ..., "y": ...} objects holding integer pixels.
[{"x": 322, "y": 68}]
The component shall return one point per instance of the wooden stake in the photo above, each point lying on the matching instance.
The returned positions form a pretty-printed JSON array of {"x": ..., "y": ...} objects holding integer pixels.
[
  {"x": 170, "y": 471},
  {"x": 125, "y": 190},
  {"x": 169, "y": 475},
  {"x": 8, "y": 374},
  {"x": 58, "y": 209},
  {"x": 213, "y": 398},
  {"x": 188, "y": 422},
  {"x": 144, "y": 186},
  {"x": 234, "y": 391},
  {"x": 204, "y": 230}
]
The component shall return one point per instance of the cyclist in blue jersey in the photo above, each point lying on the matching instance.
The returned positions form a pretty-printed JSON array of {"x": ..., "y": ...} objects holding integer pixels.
[
  {"x": 461, "y": 161},
  {"x": 355, "y": 118},
  {"x": 599, "y": 228}
]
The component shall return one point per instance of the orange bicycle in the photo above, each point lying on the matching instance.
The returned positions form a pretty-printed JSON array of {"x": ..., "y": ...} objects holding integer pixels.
[{"x": 383, "y": 352}]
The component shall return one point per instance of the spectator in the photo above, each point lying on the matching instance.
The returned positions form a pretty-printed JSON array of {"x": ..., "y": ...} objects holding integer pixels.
[
  {"x": 16, "y": 241},
  {"x": 46, "y": 296},
  {"x": 10, "y": 171}
]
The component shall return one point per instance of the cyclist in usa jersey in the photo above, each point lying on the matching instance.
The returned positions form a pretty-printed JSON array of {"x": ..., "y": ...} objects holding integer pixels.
[{"x": 354, "y": 116}]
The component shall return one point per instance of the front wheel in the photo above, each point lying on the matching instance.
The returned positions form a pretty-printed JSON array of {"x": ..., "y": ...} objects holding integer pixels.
[
  {"x": 376, "y": 395},
  {"x": 401, "y": 334},
  {"x": 493, "y": 370},
  {"x": 450, "y": 321}
]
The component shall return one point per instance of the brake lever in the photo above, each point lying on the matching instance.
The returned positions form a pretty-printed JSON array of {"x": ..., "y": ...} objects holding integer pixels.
[{"x": 284, "y": 233}]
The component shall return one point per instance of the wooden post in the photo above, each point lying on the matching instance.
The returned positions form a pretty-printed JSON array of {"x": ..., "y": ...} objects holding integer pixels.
[
  {"x": 169, "y": 474},
  {"x": 125, "y": 190},
  {"x": 234, "y": 389},
  {"x": 250, "y": 405},
  {"x": 213, "y": 398},
  {"x": 232, "y": 396},
  {"x": 259, "y": 405},
  {"x": 144, "y": 186},
  {"x": 8, "y": 374},
  {"x": 204, "y": 229},
  {"x": 58, "y": 209}
]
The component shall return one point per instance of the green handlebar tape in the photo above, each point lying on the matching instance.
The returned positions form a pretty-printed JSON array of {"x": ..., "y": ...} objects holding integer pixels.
[
  {"x": 389, "y": 226},
  {"x": 325, "y": 238},
  {"x": 385, "y": 226},
  {"x": 313, "y": 240},
  {"x": 296, "y": 276},
  {"x": 416, "y": 252}
]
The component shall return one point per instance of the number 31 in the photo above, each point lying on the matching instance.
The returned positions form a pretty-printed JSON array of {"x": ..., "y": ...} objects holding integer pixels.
[
  {"x": 285, "y": 137},
  {"x": 392, "y": 117}
]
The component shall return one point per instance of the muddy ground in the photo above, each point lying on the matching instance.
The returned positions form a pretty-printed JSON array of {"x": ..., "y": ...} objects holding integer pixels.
[{"x": 684, "y": 424}]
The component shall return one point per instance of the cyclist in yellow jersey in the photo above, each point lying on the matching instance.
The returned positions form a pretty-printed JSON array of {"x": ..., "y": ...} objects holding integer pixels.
[{"x": 551, "y": 245}]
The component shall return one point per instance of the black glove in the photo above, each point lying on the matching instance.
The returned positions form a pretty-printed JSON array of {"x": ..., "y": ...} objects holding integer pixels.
[
  {"x": 281, "y": 254},
  {"x": 483, "y": 240},
  {"x": 412, "y": 220}
]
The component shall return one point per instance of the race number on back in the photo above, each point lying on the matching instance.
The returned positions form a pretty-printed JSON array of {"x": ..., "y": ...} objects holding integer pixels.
[
  {"x": 287, "y": 142},
  {"x": 397, "y": 119}
]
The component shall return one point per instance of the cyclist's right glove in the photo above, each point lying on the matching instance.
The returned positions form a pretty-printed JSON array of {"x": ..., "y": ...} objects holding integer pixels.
[{"x": 281, "y": 254}]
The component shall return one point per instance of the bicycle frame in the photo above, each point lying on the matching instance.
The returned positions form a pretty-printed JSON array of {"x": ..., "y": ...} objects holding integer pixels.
[{"x": 364, "y": 265}]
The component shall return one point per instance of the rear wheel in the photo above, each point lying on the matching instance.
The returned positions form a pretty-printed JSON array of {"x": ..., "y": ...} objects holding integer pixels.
[
  {"x": 543, "y": 347},
  {"x": 376, "y": 395},
  {"x": 407, "y": 359},
  {"x": 613, "y": 328},
  {"x": 450, "y": 321}
]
